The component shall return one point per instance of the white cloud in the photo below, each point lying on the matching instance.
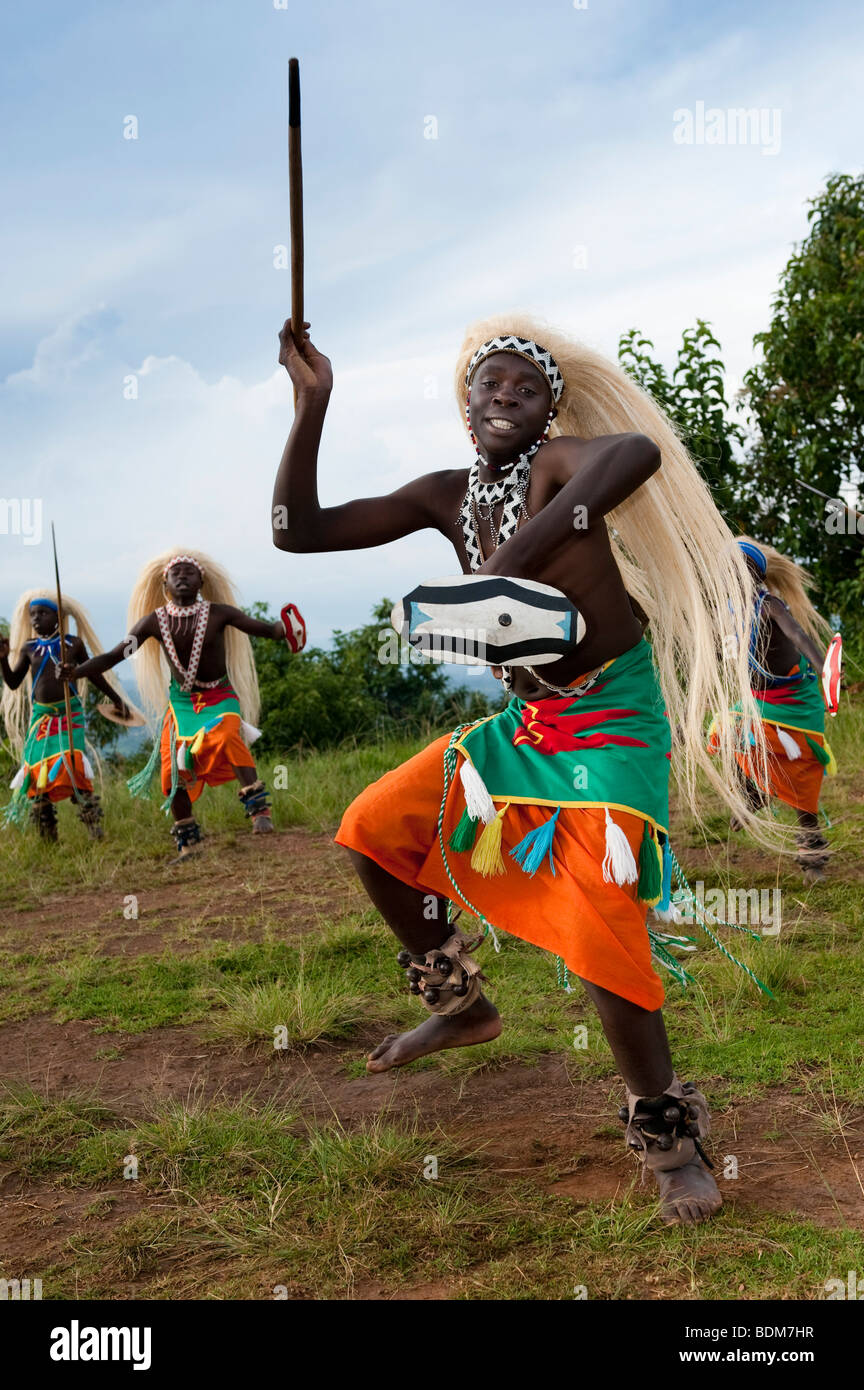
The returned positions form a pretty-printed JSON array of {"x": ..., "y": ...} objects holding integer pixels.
[
  {"x": 193, "y": 462},
  {"x": 407, "y": 240}
]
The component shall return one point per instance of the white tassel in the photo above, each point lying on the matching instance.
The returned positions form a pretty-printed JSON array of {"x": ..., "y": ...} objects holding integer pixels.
[
  {"x": 249, "y": 733},
  {"x": 495, "y": 942},
  {"x": 790, "y": 747},
  {"x": 182, "y": 750},
  {"x": 677, "y": 943},
  {"x": 18, "y": 779},
  {"x": 88, "y": 767},
  {"x": 477, "y": 799},
  {"x": 619, "y": 864},
  {"x": 668, "y": 914}
]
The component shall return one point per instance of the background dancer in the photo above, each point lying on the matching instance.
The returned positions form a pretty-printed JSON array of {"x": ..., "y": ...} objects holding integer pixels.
[
  {"x": 198, "y": 677},
  {"x": 35, "y": 714},
  {"x": 786, "y": 661},
  {"x": 612, "y": 512}
]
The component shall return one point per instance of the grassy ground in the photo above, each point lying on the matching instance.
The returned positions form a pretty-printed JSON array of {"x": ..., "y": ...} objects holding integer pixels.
[
  {"x": 185, "y": 1110},
  {"x": 308, "y": 791}
]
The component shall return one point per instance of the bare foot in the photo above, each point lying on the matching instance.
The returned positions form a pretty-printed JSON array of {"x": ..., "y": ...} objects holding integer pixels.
[
  {"x": 481, "y": 1023},
  {"x": 688, "y": 1195}
]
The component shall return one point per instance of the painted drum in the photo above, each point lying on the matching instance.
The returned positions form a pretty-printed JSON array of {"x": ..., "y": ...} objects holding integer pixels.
[
  {"x": 831, "y": 672},
  {"x": 488, "y": 620},
  {"x": 295, "y": 627}
]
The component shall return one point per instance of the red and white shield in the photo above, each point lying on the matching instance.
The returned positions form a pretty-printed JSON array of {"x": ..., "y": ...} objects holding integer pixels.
[
  {"x": 295, "y": 627},
  {"x": 831, "y": 672}
]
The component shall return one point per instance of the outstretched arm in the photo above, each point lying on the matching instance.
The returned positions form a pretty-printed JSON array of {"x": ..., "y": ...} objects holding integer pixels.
[
  {"x": 796, "y": 634},
  {"x": 235, "y": 617},
  {"x": 12, "y": 675},
  {"x": 80, "y": 656},
  {"x": 300, "y": 523},
  {"x": 86, "y": 670},
  {"x": 596, "y": 475}
]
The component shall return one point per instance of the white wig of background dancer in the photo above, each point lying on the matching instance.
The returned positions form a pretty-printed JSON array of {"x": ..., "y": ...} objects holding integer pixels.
[
  {"x": 15, "y": 704},
  {"x": 677, "y": 558},
  {"x": 152, "y": 671}
]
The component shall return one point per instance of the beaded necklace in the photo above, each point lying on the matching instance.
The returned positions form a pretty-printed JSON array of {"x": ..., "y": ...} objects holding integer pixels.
[
  {"x": 188, "y": 674},
  {"x": 480, "y": 501},
  {"x": 175, "y": 610}
]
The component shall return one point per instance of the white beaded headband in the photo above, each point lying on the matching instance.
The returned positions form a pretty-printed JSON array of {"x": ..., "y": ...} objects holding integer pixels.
[
  {"x": 523, "y": 347},
  {"x": 183, "y": 560}
]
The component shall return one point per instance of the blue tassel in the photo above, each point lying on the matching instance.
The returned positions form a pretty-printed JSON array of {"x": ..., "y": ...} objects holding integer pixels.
[
  {"x": 55, "y": 771},
  {"x": 665, "y": 902},
  {"x": 531, "y": 851}
]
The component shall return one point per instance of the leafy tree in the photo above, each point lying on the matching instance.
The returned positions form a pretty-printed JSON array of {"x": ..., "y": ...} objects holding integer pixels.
[
  {"x": 694, "y": 399},
  {"x": 806, "y": 402},
  {"x": 364, "y": 686}
]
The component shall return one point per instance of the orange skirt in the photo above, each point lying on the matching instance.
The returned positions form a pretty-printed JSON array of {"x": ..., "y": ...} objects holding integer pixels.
[
  {"x": 61, "y": 788},
  {"x": 795, "y": 781},
  {"x": 222, "y": 749},
  {"x": 597, "y": 928}
]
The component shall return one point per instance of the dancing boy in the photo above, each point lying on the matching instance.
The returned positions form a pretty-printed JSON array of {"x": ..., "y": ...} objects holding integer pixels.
[
  {"x": 35, "y": 718},
  {"x": 196, "y": 672},
  {"x": 556, "y": 828},
  {"x": 786, "y": 662}
]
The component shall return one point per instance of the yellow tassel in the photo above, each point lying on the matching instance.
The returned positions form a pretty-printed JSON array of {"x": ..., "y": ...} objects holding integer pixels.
[
  {"x": 195, "y": 746},
  {"x": 42, "y": 779},
  {"x": 487, "y": 859},
  {"x": 831, "y": 765}
]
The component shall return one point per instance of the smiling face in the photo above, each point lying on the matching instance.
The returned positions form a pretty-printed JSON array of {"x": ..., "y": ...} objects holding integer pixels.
[
  {"x": 510, "y": 403},
  {"x": 43, "y": 619},
  {"x": 182, "y": 583}
]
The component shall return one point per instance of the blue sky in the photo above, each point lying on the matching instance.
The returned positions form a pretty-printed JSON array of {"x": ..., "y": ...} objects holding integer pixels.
[{"x": 154, "y": 257}]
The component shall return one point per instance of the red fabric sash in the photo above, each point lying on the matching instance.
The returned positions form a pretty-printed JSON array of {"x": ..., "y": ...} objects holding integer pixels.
[
  {"x": 202, "y": 699},
  {"x": 51, "y": 724},
  {"x": 553, "y": 731}
]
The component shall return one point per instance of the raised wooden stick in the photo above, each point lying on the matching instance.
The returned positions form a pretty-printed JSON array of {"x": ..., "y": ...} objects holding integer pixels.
[
  {"x": 295, "y": 183},
  {"x": 62, "y": 629}
]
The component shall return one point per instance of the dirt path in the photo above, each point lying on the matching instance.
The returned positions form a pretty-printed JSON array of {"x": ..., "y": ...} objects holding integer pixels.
[
  {"x": 526, "y": 1119},
  {"x": 296, "y": 876}
]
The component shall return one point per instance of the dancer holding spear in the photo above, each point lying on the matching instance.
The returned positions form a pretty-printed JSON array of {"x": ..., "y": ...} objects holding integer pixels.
[{"x": 51, "y": 738}]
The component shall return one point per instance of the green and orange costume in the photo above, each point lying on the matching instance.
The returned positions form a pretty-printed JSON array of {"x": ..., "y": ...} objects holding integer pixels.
[
  {"x": 798, "y": 754},
  {"x": 791, "y": 708},
  {"x": 556, "y": 830},
  {"x": 203, "y": 738},
  {"x": 46, "y": 764}
]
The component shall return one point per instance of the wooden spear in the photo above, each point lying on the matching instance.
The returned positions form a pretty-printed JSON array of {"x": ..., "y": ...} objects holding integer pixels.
[{"x": 62, "y": 629}]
